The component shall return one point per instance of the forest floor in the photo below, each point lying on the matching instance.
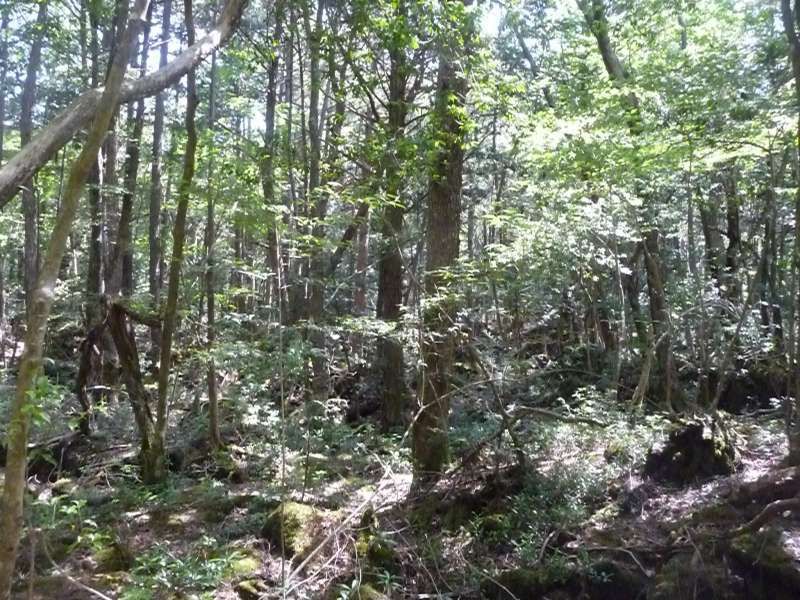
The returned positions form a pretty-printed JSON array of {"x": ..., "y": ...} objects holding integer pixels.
[{"x": 579, "y": 520}]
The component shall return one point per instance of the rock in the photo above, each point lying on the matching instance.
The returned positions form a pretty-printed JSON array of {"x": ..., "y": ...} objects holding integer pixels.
[
  {"x": 251, "y": 589},
  {"x": 615, "y": 580},
  {"x": 769, "y": 563},
  {"x": 367, "y": 592},
  {"x": 293, "y": 524},
  {"x": 112, "y": 558},
  {"x": 690, "y": 575},
  {"x": 523, "y": 584},
  {"x": 692, "y": 452}
]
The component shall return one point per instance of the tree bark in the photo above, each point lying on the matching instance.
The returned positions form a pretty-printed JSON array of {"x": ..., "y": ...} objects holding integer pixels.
[
  {"x": 176, "y": 262},
  {"x": 43, "y": 296},
  {"x": 122, "y": 260},
  {"x": 154, "y": 276},
  {"x": 30, "y": 204},
  {"x": 790, "y": 23},
  {"x": 4, "y": 19},
  {"x": 390, "y": 360},
  {"x": 215, "y": 438},
  {"x": 430, "y": 441}
]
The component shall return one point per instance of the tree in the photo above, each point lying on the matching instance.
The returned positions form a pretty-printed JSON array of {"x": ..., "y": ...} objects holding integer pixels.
[
  {"x": 30, "y": 363},
  {"x": 430, "y": 445}
]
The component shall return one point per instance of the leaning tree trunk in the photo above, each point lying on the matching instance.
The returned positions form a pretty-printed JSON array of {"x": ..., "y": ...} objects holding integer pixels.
[
  {"x": 43, "y": 296},
  {"x": 430, "y": 443}
]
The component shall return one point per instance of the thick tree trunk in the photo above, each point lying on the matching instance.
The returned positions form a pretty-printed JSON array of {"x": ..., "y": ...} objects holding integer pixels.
[
  {"x": 390, "y": 360},
  {"x": 430, "y": 442},
  {"x": 790, "y": 20},
  {"x": 43, "y": 296}
]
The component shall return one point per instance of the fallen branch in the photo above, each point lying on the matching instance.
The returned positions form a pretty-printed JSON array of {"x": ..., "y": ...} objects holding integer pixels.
[{"x": 771, "y": 511}]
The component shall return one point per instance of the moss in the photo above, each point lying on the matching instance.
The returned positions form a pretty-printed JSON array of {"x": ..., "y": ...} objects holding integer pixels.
[
  {"x": 293, "y": 524},
  {"x": 113, "y": 557},
  {"x": 768, "y": 567},
  {"x": 523, "y": 584},
  {"x": 251, "y": 589},
  {"x": 245, "y": 562},
  {"x": 367, "y": 592}
]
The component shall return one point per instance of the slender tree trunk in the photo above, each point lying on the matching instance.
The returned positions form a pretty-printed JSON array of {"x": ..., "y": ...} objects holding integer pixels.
[
  {"x": 215, "y": 438},
  {"x": 430, "y": 443},
  {"x": 176, "y": 262},
  {"x": 318, "y": 199},
  {"x": 30, "y": 204},
  {"x": 122, "y": 261},
  {"x": 732, "y": 285},
  {"x": 11, "y": 517},
  {"x": 361, "y": 264},
  {"x": 156, "y": 188},
  {"x": 667, "y": 373},
  {"x": 268, "y": 162},
  {"x": 4, "y": 18}
]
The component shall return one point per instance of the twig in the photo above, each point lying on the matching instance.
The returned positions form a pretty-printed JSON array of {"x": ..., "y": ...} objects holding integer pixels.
[{"x": 648, "y": 573}]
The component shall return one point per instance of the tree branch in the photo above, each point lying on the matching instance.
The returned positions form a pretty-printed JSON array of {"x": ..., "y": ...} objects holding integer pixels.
[{"x": 80, "y": 112}]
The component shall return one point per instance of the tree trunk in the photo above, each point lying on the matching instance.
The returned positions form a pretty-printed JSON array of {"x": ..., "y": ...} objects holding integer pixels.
[
  {"x": 666, "y": 376},
  {"x": 4, "y": 18},
  {"x": 154, "y": 276},
  {"x": 215, "y": 438},
  {"x": 390, "y": 360},
  {"x": 732, "y": 286},
  {"x": 122, "y": 261},
  {"x": 176, "y": 262},
  {"x": 30, "y": 204},
  {"x": 43, "y": 295},
  {"x": 430, "y": 443},
  {"x": 790, "y": 18},
  {"x": 268, "y": 162}
]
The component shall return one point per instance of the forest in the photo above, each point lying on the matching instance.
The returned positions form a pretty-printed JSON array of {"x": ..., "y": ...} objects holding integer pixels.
[{"x": 383, "y": 299}]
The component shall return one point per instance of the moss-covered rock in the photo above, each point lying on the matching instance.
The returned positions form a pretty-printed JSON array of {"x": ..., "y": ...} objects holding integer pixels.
[
  {"x": 689, "y": 575},
  {"x": 251, "y": 589},
  {"x": 367, "y": 592},
  {"x": 293, "y": 526},
  {"x": 244, "y": 562},
  {"x": 694, "y": 450},
  {"x": 766, "y": 564},
  {"x": 522, "y": 584},
  {"x": 113, "y": 557}
]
